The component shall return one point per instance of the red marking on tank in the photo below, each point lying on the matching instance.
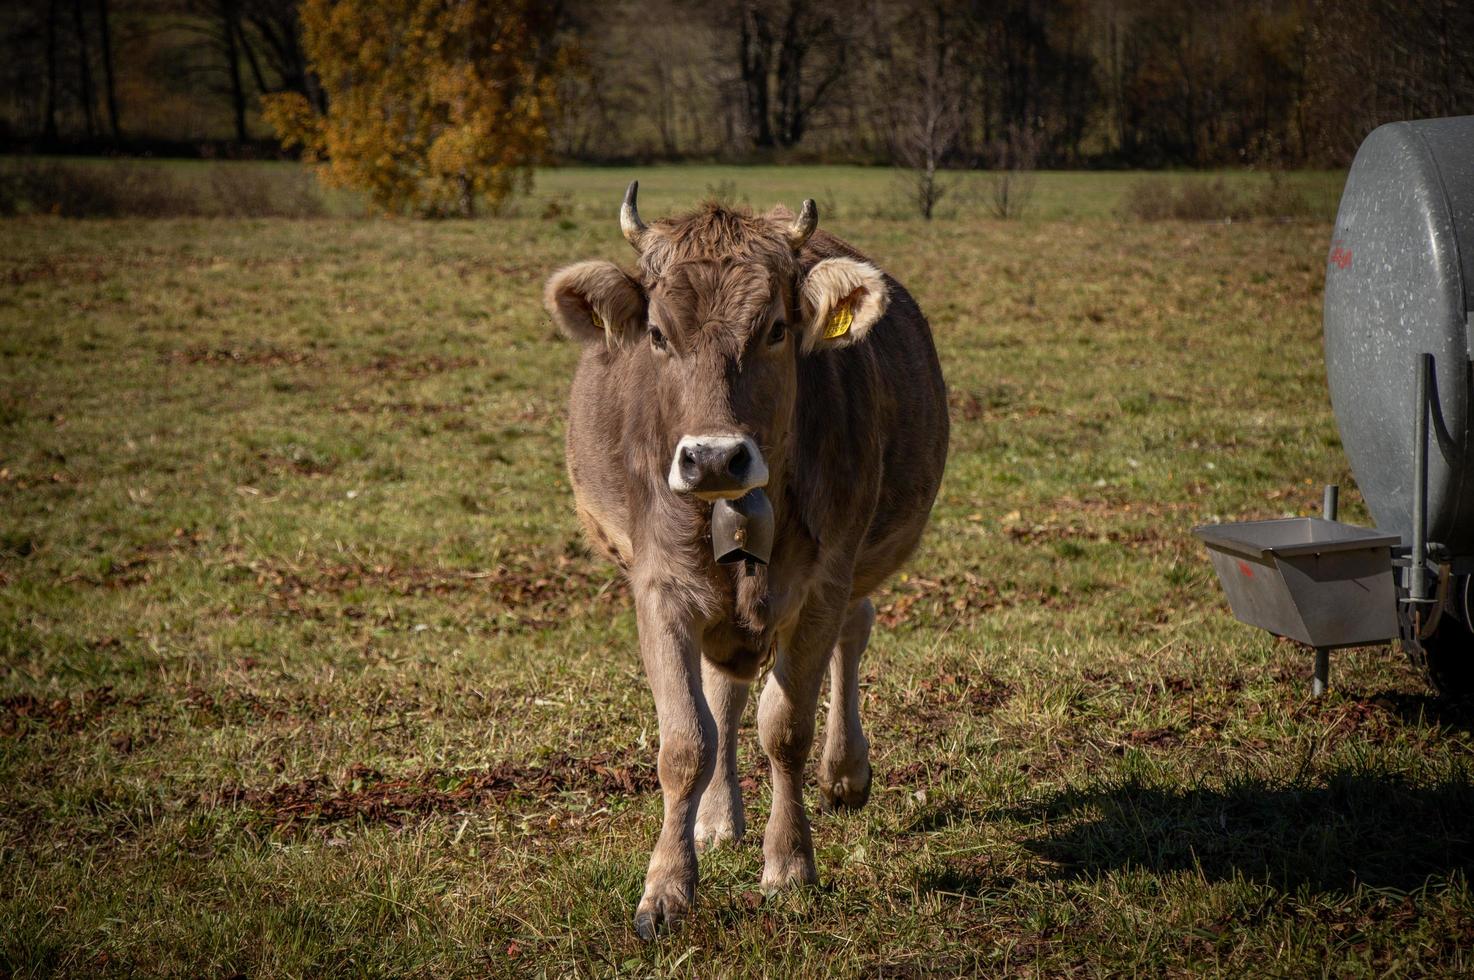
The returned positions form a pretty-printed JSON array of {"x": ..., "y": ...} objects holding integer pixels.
[
  {"x": 1246, "y": 569},
  {"x": 1341, "y": 257}
]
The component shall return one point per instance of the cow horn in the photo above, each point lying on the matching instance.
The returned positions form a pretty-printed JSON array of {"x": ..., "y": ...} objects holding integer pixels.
[
  {"x": 629, "y": 218},
  {"x": 803, "y": 226}
]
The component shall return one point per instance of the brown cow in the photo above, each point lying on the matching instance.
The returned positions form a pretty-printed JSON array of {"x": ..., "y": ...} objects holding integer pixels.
[{"x": 749, "y": 351}]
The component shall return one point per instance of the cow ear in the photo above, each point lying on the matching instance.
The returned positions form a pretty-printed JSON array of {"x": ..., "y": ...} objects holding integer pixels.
[
  {"x": 841, "y": 299},
  {"x": 595, "y": 301}
]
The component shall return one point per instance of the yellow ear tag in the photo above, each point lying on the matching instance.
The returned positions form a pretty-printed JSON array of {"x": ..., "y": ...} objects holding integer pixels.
[
  {"x": 839, "y": 322},
  {"x": 598, "y": 320}
]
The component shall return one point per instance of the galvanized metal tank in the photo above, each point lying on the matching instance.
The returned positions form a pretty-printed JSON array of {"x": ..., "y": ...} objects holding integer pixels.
[{"x": 1400, "y": 282}]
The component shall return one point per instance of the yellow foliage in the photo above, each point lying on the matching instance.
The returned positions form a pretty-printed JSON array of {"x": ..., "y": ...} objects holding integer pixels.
[{"x": 432, "y": 104}]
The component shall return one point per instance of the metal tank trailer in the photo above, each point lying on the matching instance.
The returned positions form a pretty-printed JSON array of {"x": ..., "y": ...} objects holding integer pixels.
[{"x": 1399, "y": 347}]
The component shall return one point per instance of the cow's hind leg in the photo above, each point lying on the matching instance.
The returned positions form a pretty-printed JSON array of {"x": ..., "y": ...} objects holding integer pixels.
[
  {"x": 844, "y": 772},
  {"x": 719, "y": 818}
]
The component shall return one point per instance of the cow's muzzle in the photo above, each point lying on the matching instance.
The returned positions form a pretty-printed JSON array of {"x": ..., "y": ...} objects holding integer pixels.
[{"x": 717, "y": 467}]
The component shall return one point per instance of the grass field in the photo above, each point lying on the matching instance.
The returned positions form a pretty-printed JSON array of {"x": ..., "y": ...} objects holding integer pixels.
[
  {"x": 305, "y": 669},
  {"x": 846, "y": 193}
]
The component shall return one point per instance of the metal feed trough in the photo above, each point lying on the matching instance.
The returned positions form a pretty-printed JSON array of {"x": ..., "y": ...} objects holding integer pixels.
[{"x": 1399, "y": 341}]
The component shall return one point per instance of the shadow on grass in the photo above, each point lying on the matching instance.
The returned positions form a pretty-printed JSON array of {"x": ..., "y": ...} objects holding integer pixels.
[
  {"x": 1353, "y": 827},
  {"x": 1427, "y": 710}
]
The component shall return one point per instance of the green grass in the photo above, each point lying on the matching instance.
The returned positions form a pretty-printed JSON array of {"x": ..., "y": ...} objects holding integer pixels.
[
  {"x": 304, "y": 667},
  {"x": 845, "y": 193},
  {"x": 852, "y": 193}
]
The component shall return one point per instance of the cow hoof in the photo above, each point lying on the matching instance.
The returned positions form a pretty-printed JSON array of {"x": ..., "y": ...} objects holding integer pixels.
[
  {"x": 719, "y": 823},
  {"x": 846, "y": 793},
  {"x": 713, "y": 838},
  {"x": 781, "y": 875},
  {"x": 660, "y": 912}
]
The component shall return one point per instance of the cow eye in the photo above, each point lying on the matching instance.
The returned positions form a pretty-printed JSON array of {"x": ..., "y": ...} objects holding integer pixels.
[
  {"x": 657, "y": 339},
  {"x": 779, "y": 331}
]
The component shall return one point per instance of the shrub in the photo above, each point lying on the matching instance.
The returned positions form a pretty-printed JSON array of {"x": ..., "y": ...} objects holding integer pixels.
[
  {"x": 1211, "y": 200},
  {"x": 1277, "y": 199},
  {"x": 432, "y": 106},
  {"x": 1157, "y": 198},
  {"x": 1148, "y": 199},
  {"x": 1011, "y": 182},
  {"x": 251, "y": 192},
  {"x": 117, "y": 189},
  {"x": 87, "y": 190}
]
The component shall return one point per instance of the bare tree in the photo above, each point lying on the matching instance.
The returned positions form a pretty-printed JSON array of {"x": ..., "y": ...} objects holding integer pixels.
[
  {"x": 1374, "y": 61},
  {"x": 807, "y": 30},
  {"x": 110, "y": 86},
  {"x": 794, "y": 50},
  {"x": 276, "y": 28},
  {"x": 754, "y": 54},
  {"x": 1011, "y": 180},
  {"x": 230, "y": 32},
  {"x": 52, "y": 68},
  {"x": 85, "y": 92},
  {"x": 926, "y": 112}
]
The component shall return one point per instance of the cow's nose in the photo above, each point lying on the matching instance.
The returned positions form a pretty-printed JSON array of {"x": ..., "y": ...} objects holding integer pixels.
[
  {"x": 699, "y": 461},
  {"x": 717, "y": 466}
]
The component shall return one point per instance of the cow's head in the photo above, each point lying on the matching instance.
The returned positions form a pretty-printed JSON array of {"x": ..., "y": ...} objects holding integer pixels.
[{"x": 723, "y": 307}]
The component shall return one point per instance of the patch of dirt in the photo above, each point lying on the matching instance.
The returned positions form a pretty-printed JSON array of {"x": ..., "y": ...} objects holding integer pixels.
[
  {"x": 268, "y": 356},
  {"x": 296, "y": 462},
  {"x": 1101, "y": 506},
  {"x": 1169, "y": 685},
  {"x": 1160, "y": 736},
  {"x": 1073, "y": 529},
  {"x": 369, "y": 796},
  {"x": 404, "y": 366},
  {"x": 26, "y": 714},
  {"x": 235, "y": 706},
  {"x": 537, "y": 594},
  {"x": 1374, "y": 719},
  {"x": 915, "y": 773},
  {"x": 130, "y": 571},
  {"x": 959, "y": 596},
  {"x": 9, "y": 478},
  {"x": 936, "y": 704},
  {"x": 137, "y": 569},
  {"x": 411, "y": 409},
  {"x": 981, "y": 694},
  {"x": 48, "y": 269},
  {"x": 993, "y": 402}
]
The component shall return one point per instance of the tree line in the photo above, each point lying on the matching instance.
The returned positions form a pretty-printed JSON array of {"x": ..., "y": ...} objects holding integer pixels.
[{"x": 922, "y": 83}]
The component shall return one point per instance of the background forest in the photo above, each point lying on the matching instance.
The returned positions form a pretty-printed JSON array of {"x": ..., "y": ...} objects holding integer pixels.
[{"x": 1067, "y": 83}]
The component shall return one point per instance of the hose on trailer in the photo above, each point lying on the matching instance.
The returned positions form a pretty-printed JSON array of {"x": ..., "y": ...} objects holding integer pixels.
[{"x": 1425, "y": 631}]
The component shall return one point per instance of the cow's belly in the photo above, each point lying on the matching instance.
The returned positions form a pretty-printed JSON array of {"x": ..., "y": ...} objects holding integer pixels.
[
  {"x": 882, "y": 556},
  {"x": 897, "y": 527}
]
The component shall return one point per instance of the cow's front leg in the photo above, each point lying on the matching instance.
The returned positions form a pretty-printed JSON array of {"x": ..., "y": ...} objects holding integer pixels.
[
  {"x": 671, "y": 653},
  {"x": 786, "y": 729},
  {"x": 719, "y": 819}
]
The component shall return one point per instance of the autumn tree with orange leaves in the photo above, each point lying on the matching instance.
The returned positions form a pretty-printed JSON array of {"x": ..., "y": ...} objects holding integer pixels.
[{"x": 432, "y": 105}]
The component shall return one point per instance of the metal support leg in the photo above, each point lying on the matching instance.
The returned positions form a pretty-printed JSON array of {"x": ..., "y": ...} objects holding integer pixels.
[
  {"x": 1331, "y": 503},
  {"x": 1322, "y": 671},
  {"x": 1417, "y": 574}
]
